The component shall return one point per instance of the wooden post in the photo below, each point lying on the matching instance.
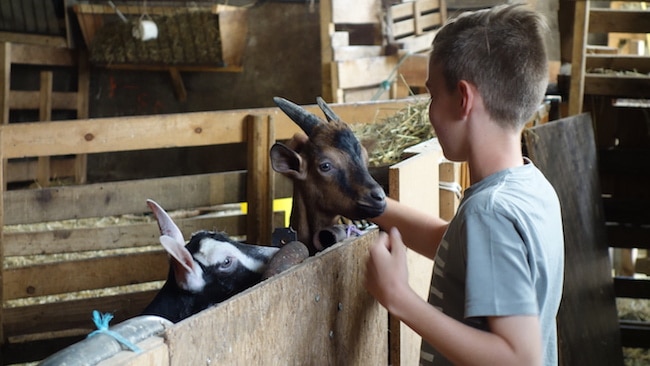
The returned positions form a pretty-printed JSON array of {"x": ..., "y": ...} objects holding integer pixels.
[
  {"x": 45, "y": 114},
  {"x": 5, "y": 75},
  {"x": 83, "y": 90},
  {"x": 414, "y": 182},
  {"x": 2, "y": 242},
  {"x": 578, "y": 57},
  {"x": 259, "y": 191}
]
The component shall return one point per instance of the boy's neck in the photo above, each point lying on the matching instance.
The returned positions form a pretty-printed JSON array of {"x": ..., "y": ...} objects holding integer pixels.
[{"x": 492, "y": 150}]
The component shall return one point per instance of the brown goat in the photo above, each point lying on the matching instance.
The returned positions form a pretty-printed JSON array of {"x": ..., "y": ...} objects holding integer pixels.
[{"x": 329, "y": 172}]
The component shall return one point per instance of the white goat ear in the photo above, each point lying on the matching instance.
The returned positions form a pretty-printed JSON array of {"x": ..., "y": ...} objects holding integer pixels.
[
  {"x": 165, "y": 223},
  {"x": 189, "y": 275},
  {"x": 287, "y": 162}
]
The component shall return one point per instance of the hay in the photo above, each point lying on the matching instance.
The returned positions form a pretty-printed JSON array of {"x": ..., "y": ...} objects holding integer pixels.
[
  {"x": 190, "y": 38},
  {"x": 386, "y": 139}
]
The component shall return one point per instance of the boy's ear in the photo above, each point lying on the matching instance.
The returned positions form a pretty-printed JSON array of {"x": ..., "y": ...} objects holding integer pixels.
[
  {"x": 467, "y": 94},
  {"x": 286, "y": 161}
]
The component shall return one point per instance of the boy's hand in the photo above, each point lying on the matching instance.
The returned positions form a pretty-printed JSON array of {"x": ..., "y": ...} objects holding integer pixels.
[{"x": 386, "y": 270}]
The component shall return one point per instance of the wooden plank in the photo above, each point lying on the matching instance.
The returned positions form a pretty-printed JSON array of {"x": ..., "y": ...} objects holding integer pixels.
[
  {"x": 413, "y": 182},
  {"x": 26, "y": 170},
  {"x": 3, "y": 185},
  {"x": 42, "y": 55},
  {"x": 628, "y": 236},
  {"x": 117, "y": 198},
  {"x": 163, "y": 131},
  {"x": 83, "y": 94},
  {"x": 233, "y": 26},
  {"x": 410, "y": 26},
  {"x": 118, "y": 236},
  {"x": 354, "y": 52},
  {"x": 75, "y": 314},
  {"x": 565, "y": 152},
  {"x": 619, "y": 62},
  {"x": 415, "y": 44},
  {"x": 617, "y": 85},
  {"x": 415, "y": 69},
  {"x": 328, "y": 71},
  {"x": 5, "y": 81},
  {"x": 635, "y": 334},
  {"x": 38, "y": 40},
  {"x": 364, "y": 72},
  {"x": 45, "y": 114},
  {"x": 316, "y": 312},
  {"x": 26, "y": 99},
  {"x": 632, "y": 288},
  {"x": 628, "y": 210},
  {"x": 577, "y": 85},
  {"x": 80, "y": 275},
  {"x": 374, "y": 92},
  {"x": 259, "y": 180},
  {"x": 603, "y": 20},
  {"x": 355, "y": 12}
]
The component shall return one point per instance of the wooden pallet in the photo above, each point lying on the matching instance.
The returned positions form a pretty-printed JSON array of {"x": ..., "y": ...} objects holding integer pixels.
[{"x": 361, "y": 62}]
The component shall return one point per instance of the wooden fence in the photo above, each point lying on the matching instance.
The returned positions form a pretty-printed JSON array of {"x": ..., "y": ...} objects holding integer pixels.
[{"x": 54, "y": 298}]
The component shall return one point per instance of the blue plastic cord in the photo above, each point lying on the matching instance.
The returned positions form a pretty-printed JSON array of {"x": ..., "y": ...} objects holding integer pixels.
[{"x": 101, "y": 322}]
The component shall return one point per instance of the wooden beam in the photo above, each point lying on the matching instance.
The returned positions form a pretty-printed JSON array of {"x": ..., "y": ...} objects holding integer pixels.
[
  {"x": 37, "y": 40},
  {"x": 577, "y": 87},
  {"x": 63, "y": 277},
  {"x": 5, "y": 81},
  {"x": 164, "y": 131},
  {"x": 45, "y": 114},
  {"x": 123, "y": 197},
  {"x": 259, "y": 190},
  {"x": 603, "y": 20},
  {"x": 619, "y": 62}
]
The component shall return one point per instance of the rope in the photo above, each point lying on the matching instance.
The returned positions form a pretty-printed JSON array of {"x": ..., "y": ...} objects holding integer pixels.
[
  {"x": 453, "y": 187},
  {"x": 353, "y": 229},
  {"x": 101, "y": 322}
]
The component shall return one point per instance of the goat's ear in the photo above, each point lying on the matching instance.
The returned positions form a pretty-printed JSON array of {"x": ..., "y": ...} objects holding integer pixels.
[
  {"x": 287, "y": 162},
  {"x": 165, "y": 223}
]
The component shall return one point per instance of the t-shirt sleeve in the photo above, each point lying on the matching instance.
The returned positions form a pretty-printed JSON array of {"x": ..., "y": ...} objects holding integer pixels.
[{"x": 499, "y": 280}]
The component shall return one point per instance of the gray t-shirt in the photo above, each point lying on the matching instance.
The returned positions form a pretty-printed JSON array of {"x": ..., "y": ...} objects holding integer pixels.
[{"x": 503, "y": 254}]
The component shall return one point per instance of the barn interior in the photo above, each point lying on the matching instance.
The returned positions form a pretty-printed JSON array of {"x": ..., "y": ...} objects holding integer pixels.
[{"x": 96, "y": 119}]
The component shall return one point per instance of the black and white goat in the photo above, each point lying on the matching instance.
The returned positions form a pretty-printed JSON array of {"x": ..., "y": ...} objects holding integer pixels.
[
  {"x": 329, "y": 172},
  {"x": 209, "y": 269}
]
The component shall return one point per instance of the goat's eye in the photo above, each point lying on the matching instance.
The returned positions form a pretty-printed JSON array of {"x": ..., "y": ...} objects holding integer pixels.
[
  {"x": 325, "y": 167},
  {"x": 226, "y": 263}
]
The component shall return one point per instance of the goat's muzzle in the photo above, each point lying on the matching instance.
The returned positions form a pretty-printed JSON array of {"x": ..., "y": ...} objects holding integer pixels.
[{"x": 372, "y": 205}]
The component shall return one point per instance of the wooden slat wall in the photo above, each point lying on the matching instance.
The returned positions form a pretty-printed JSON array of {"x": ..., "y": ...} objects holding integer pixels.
[{"x": 128, "y": 197}]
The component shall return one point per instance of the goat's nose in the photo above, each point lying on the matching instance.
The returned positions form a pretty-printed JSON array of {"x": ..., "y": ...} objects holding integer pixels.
[{"x": 378, "y": 194}]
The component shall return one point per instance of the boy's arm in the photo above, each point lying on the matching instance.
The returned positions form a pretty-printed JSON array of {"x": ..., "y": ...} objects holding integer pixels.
[
  {"x": 420, "y": 231},
  {"x": 512, "y": 340}
]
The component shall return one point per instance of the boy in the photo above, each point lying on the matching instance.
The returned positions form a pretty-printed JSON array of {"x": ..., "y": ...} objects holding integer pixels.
[{"x": 499, "y": 263}]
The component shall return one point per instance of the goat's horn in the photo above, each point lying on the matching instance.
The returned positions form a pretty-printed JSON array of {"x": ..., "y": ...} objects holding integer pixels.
[
  {"x": 304, "y": 119},
  {"x": 329, "y": 113}
]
